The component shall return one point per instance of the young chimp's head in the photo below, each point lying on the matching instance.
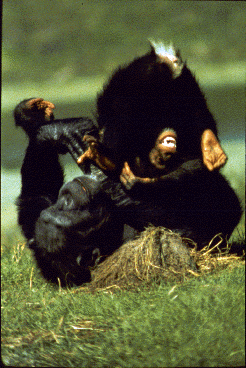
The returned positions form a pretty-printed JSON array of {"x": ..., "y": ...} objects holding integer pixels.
[{"x": 155, "y": 92}]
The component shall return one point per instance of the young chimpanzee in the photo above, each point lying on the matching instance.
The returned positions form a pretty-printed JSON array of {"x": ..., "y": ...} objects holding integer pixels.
[{"x": 156, "y": 135}]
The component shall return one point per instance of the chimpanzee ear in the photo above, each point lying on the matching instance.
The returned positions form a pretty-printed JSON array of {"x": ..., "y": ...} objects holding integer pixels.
[{"x": 213, "y": 155}]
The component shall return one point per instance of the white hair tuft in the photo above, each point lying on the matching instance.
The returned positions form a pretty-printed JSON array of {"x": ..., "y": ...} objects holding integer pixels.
[
  {"x": 163, "y": 50},
  {"x": 168, "y": 55}
]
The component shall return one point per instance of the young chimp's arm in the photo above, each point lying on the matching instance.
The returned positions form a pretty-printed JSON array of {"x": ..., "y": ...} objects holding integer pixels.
[
  {"x": 158, "y": 202},
  {"x": 143, "y": 206},
  {"x": 191, "y": 200}
]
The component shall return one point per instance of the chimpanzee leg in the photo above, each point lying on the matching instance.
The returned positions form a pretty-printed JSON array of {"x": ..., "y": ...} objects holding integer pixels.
[
  {"x": 75, "y": 232},
  {"x": 42, "y": 178},
  {"x": 42, "y": 175}
]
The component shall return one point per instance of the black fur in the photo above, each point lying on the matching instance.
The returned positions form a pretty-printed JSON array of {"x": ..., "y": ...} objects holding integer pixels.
[
  {"x": 67, "y": 226},
  {"x": 191, "y": 201},
  {"x": 78, "y": 230},
  {"x": 42, "y": 174},
  {"x": 139, "y": 101},
  {"x": 142, "y": 99}
]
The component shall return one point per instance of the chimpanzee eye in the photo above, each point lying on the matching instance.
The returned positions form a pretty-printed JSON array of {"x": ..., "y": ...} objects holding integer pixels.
[{"x": 169, "y": 142}]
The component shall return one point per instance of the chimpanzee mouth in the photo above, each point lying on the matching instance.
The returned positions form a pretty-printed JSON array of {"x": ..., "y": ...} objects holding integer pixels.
[
  {"x": 169, "y": 142},
  {"x": 160, "y": 163},
  {"x": 163, "y": 165}
]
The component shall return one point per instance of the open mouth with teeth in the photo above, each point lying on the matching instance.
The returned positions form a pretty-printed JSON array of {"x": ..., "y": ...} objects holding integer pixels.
[
  {"x": 169, "y": 142},
  {"x": 164, "y": 149}
]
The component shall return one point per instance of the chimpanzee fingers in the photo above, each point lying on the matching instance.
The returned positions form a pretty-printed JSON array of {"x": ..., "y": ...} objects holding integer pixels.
[
  {"x": 221, "y": 160},
  {"x": 75, "y": 147},
  {"x": 77, "y": 151},
  {"x": 213, "y": 161},
  {"x": 48, "y": 108},
  {"x": 39, "y": 103},
  {"x": 47, "y": 104},
  {"x": 89, "y": 139},
  {"x": 127, "y": 177},
  {"x": 33, "y": 102}
]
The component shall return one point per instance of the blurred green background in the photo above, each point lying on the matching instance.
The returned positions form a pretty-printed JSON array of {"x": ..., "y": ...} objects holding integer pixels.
[{"x": 65, "y": 50}]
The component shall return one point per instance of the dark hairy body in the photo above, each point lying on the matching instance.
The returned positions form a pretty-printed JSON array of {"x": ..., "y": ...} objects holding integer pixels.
[{"x": 156, "y": 156}]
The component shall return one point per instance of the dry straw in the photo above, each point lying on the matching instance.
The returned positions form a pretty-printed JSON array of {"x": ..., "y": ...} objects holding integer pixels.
[{"x": 159, "y": 254}]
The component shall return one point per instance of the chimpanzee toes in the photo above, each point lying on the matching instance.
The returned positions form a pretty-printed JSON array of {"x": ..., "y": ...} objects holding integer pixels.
[
  {"x": 30, "y": 114},
  {"x": 45, "y": 108}
]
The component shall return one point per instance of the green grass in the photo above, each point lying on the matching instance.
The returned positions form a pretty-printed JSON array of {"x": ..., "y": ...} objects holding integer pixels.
[{"x": 199, "y": 322}]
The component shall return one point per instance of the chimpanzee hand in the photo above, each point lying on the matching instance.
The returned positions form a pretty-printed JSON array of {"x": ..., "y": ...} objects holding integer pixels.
[
  {"x": 185, "y": 169},
  {"x": 129, "y": 179},
  {"x": 67, "y": 135},
  {"x": 37, "y": 119}
]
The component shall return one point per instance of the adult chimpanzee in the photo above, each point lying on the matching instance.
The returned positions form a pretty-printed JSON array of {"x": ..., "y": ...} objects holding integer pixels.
[
  {"x": 157, "y": 135},
  {"x": 154, "y": 92}
]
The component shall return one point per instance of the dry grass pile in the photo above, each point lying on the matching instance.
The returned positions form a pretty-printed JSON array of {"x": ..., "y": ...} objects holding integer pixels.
[
  {"x": 159, "y": 254},
  {"x": 156, "y": 254},
  {"x": 216, "y": 256}
]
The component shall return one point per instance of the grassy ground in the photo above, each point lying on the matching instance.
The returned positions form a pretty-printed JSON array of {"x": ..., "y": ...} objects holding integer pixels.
[{"x": 199, "y": 322}]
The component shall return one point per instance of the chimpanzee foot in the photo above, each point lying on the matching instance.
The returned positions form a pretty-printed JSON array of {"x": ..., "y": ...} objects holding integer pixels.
[
  {"x": 32, "y": 113},
  {"x": 95, "y": 153},
  {"x": 39, "y": 106}
]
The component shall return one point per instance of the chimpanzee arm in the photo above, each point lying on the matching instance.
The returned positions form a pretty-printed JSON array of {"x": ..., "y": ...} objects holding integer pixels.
[
  {"x": 42, "y": 178},
  {"x": 138, "y": 209},
  {"x": 134, "y": 183},
  {"x": 192, "y": 201},
  {"x": 185, "y": 170},
  {"x": 67, "y": 135}
]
